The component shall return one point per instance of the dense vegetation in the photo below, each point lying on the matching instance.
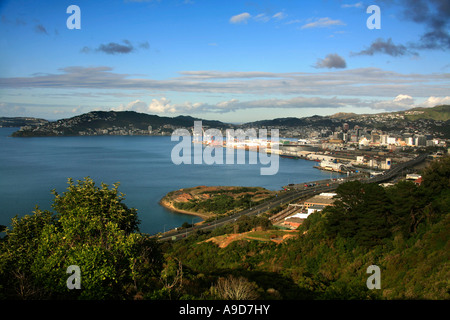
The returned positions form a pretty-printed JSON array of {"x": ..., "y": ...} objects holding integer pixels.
[
  {"x": 440, "y": 113},
  {"x": 217, "y": 200},
  {"x": 219, "y": 204},
  {"x": 403, "y": 229},
  {"x": 91, "y": 228}
]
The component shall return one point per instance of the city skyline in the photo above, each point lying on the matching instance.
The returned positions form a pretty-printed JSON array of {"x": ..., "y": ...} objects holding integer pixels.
[{"x": 234, "y": 61}]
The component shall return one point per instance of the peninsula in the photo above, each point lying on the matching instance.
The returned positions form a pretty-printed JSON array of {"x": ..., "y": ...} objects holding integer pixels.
[
  {"x": 25, "y": 122},
  {"x": 212, "y": 201}
]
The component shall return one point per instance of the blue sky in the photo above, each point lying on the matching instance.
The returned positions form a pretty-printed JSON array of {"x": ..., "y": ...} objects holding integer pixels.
[{"x": 234, "y": 61}]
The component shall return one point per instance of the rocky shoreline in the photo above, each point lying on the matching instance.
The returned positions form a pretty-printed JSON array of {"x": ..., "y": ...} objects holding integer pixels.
[{"x": 169, "y": 206}]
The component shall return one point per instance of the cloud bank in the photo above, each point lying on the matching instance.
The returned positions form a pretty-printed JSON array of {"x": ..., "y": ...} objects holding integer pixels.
[
  {"x": 165, "y": 106},
  {"x": 349, "y": 82}
]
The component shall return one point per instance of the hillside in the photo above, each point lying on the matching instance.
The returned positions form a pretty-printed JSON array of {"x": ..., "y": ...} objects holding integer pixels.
[
  {"x": 295, "y": 122},
  {"x": 436, "y": 119},
  {"x": 404, "y": 230},
  {"x": 21, "y": 121},
  {"x": 209, "y": 202},
  {"x": 438, "y": 113},
  {"x": 114, "y": 123}
]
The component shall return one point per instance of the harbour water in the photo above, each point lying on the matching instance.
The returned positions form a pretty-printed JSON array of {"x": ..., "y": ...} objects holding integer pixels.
[{"x": 31, "y": 167}]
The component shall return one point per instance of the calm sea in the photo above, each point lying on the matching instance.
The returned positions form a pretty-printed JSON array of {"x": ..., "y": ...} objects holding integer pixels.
[{"x": 31, "y": 167}]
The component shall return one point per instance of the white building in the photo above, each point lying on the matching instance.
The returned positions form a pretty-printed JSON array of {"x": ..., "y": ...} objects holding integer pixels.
[{"x": 386, "y": 165}]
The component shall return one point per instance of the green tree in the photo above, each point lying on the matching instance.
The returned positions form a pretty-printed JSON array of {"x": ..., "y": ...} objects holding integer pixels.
[
  {"x": 360, "y": 212},
  {"x": 105, "y": 204},
  {"x": 17, "y": 252},
  {"x": 93, "y": 229},
  {"x": 436, "y": 177}
]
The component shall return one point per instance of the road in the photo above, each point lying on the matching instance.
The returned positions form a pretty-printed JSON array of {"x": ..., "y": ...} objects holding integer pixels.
[
  {"x": 282, "y": 198},
  {"x": 296, "y": 192}
]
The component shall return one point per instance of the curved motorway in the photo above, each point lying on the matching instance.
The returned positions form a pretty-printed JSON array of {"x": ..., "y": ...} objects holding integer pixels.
[{"x": 298, "y": 191}]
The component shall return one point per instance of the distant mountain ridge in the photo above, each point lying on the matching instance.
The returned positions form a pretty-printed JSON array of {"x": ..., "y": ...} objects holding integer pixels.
[
  {"x": 131, "y": 122},
  {"x": 114, "y": 123},
  {"x": 435, "y": 119},
  {"x": 21, "y": 121},
  {"x": 438, "y": 113}
]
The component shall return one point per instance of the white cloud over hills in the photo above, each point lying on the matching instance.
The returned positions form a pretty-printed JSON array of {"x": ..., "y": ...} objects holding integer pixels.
[{"x": 164, "y": 105}]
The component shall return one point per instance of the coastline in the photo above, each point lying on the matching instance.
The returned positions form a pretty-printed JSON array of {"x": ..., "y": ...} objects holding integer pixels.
[
  {"x": 203, "y": 193},
  {"x": 170, "y": 207}
]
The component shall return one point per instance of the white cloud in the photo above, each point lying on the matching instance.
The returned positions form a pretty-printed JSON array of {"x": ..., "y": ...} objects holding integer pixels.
[
  {"x": 136, "y": 105},
  {"x": 161, "y": 106},
  {"x": 404, "y": 102},
  {"x": 355, "y": 5},
  {"x": 323, "y": 23},
  {"x": 262, "y": 17},
  {"x": 165, "y": 106},
  {"x": 294, "y": 21},
  {"x": 435, "y": 101},
  {"x": 404, "y": 98},
  {"x": 240, "y": 18},
  {"x": 400, "y": 102},
  {"x": 279, "y": 15}
]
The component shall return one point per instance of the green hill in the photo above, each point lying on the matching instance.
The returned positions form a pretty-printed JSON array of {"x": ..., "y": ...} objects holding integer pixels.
[
  {"x": 21, "y": 121},
  {"x": 114, "y": 123},
  {"x": 404, "y": 230},
  {"x": 438, "y": 113},
  {"x": 294, "y": 122}
]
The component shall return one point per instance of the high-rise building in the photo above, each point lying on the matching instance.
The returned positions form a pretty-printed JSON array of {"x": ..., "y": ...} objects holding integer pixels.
[
  {"x": 421, "y": 140},
  {"x": 345, "y": 127}
]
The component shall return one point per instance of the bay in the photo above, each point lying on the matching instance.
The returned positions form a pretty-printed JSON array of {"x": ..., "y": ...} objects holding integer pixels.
[{"x": 31, "y": 167}]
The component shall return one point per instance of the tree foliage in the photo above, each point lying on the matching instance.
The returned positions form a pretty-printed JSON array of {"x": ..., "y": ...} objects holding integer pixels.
[
  {"x": 91, "y": 228},
  {"x": 360, "y": 212}
]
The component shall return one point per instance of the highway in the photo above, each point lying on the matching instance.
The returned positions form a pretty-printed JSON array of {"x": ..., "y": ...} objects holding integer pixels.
[
  {"x": 296, "y": 192},
  {"x": 395, "y": 170}
]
